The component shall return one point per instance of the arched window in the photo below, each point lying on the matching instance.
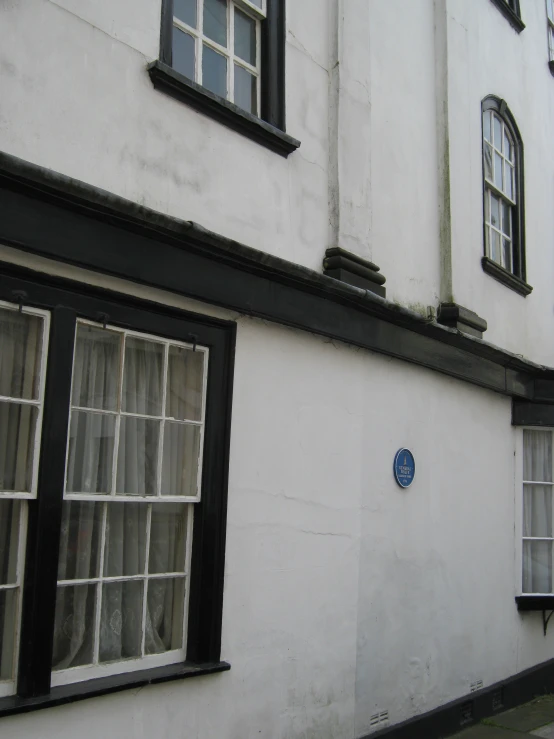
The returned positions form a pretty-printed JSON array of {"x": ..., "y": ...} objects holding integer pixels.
[{"x": 503, "y": 194}]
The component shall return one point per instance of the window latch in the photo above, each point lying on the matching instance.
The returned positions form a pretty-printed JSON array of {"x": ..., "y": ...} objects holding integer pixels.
[
  {"x": 102, "y": 318},
  {"x": 20, "y": 296},
  {"x": 193, "y": 338}
]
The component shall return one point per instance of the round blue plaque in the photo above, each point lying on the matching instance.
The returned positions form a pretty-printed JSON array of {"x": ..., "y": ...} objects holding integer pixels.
[{"x": 404, "y": 468}]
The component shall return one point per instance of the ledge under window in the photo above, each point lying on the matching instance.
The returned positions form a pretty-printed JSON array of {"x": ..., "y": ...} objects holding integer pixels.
[
  {"x": 511, "y": 16},
  {"x": 167, "y": 80},
  {"x": 535, "y": 602},
  {"x": 104, "y": 685},
  {"x": 506, "y": 278}
]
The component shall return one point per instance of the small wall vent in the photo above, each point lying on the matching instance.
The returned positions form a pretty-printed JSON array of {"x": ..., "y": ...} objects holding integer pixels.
[
  {"x": 477, "y": 685},
  {"x": 378, "y": 719},
  {"x": 466, "y": 713}
]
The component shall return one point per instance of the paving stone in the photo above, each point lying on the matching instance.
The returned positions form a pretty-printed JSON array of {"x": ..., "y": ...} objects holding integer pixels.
[
  {"x": 482, "y": 731},
  {"x": 531, "y": 716},
  {"x": 547, "y": 732}
]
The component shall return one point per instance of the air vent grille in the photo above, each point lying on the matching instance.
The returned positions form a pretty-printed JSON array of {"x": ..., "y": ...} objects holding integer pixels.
[
  {"x": 466, "y": 713},
  {"x": 477, "y": 685},
  {"x": 378, "y": 719}
]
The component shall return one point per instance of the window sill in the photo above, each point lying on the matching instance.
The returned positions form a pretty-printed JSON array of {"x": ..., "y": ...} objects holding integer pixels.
[
  {"x": 101, "y": 686},
  {"x": 535, "y": 602},
  {"x": 509, "y": 14},
  {"x": 167, "y": 80},
  {"x": 506, "y": 278}
]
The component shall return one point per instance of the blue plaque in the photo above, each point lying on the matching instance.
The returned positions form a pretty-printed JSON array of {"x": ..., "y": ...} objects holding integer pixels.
[{"x": 404, "y": 468}]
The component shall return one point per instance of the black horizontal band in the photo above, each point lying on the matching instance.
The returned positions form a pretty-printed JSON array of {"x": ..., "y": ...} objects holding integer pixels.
[{"x": 66, "y": 220}]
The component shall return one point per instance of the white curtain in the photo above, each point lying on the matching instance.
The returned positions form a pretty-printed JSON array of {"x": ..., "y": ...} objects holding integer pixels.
[
  {"x": 97, "y": 363},
  {"x": 537, "y": 512},
  {"x": 20, "y": 357}
]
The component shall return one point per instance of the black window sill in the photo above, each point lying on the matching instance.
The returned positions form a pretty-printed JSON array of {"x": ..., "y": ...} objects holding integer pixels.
[
  {"x": 167, "y": 80},
  {"x": 551, "y": 66},
  {"x": 104, "y": 685},
  {"x": 509, "y": 14},
  {"x": 535, "y": 602},
  {"x": 506, "y": 278}
]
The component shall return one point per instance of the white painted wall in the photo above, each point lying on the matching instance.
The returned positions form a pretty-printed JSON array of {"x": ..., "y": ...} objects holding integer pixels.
[{"x": 344, "y": 595}]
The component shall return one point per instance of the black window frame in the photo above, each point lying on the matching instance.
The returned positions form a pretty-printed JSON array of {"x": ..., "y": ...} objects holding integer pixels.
[
  {"x": 269, "y": 129},
  {"x": 67, "y": 301},
  {"x": 511, "y": 10},
  {"x": 516, "y": 279}
]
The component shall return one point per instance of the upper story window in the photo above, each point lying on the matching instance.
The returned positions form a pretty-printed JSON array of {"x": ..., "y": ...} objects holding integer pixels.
[
  {"x": 550, "y": 18},
  {"x": 217, "y": 43},
  {"x": 503, "y": 191},
  {"x": 226, "y": 58}
]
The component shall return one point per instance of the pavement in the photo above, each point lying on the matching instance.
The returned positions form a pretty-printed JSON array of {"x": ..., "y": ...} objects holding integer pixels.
[{"x": 532, "y": 719}]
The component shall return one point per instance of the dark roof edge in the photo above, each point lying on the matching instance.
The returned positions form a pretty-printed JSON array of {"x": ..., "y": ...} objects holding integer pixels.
[{"x": 188, "y": 235}]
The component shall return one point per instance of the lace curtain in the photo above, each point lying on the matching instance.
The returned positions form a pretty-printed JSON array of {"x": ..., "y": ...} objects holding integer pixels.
[
  {"x": 124, "y": 526},
  {"x": 537, "y": 512}
]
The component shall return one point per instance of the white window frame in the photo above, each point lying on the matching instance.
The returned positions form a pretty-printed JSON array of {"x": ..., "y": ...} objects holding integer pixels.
[
  {"x": 96, "y": 670},
  {"x": 200, "y": 39},
  {"x": 491, "y": 189},
  {"x": 519, "y": 452},
  {"x": 8, "y": 687}
]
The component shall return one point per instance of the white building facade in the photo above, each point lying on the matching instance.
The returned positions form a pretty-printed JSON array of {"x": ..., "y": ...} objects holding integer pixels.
[{"x": 205, "y": 377}]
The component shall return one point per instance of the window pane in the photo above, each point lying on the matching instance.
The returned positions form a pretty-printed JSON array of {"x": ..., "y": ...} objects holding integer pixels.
[
  {"x": 9, "y": 540},
  {"x": 183, "y": 53},
  {"x": 8, "y": 621},
  {"x": 487, "y": 125},
  {"x": 180, "y": 459},
  {"x": 508, "y": 148},
  {"x": 168, "y": 535},
  {"x": 488, "y": 162},
  {"x": 245, "y": 37},
  {"x": 537, "y": 510},
  {"x": 537, "y": 456},
  {"x": 215, "y": 21},
  {"x": 537, "y": 566},
  {"x": 17, "y": 440},
  {"x": 506, "y": 219},
  {"x": 214, "y": 71},
  {"x": 137, "y": 458},
  {"x": 495, "y": 211},
  {"x": 121, "y": 620},
  {"x": 497, "y": 133},
  {"x": 550, "y": 9},
  {"x": 507, "y": 254},
  {"x": 509, "y": 189},
  {"x": 80, "y": 540},
  {"x": 245, "y": 90},
  {"x": 257, "y": 3},
  {"x": 90, "y": 455},
  {"x": 142, "y": 381},
  {"x": 185, "y": 378},
  {"x": 495, "y": 246},
  {"x": 498, "y": 171},
  {"x": 96, "y": 368},
  {"x": 164, "y": 615},
  {"x": 74, "y": 626},
  {"x": 125, "y": 548},
  {"x": 21, "y": 342},
  {"x": 185, "y": 10}
]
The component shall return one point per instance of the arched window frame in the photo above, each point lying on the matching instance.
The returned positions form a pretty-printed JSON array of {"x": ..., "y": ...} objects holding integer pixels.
[{"x": 508, "y": 268}]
